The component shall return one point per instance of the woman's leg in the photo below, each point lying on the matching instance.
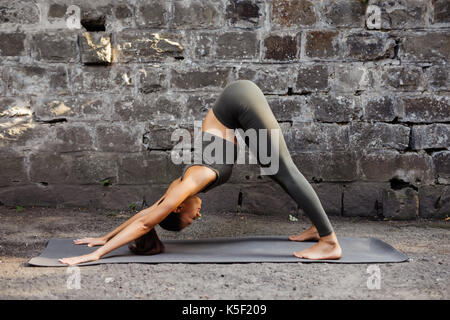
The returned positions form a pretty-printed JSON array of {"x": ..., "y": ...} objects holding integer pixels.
[{"x": 252, "y": 111}]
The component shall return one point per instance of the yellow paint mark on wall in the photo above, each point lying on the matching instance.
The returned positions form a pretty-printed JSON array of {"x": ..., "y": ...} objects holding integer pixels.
[
  {"x": 103, "y": 50},
  {"x": 126, "y": 78},
  {"x": 13, "y": 129},
  {"x": 58, "y": 108},
  {"x": 16, "y": 111}
]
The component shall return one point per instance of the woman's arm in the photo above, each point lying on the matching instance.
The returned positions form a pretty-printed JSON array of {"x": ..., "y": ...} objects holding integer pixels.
[
  {"x": 91, "y": 242},
  {"x": 131, "y": 220},
  {"x": 106, "y": 238},
  {"x": 140, "y": 226}
]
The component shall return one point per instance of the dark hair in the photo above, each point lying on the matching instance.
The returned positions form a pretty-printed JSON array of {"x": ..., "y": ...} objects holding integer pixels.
[
  {"x": 172, "y": 222},
  {"x": 149, "y": 243}
]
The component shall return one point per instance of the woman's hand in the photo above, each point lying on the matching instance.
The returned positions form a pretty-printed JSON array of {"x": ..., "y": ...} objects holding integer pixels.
[
  {"x": 80, "y": 259},
  {"x": 91, "y": 241}
]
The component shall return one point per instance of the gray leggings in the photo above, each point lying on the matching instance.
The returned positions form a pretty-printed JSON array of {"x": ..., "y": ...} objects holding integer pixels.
[{"x": 243, "y": 105}]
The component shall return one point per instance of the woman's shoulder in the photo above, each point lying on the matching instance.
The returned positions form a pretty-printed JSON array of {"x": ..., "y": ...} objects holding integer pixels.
[{"x": 200, "y": 175}]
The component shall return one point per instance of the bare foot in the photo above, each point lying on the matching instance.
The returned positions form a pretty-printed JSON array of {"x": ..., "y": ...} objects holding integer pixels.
[
  {"x": 327, "y": 248},
  {"x": 310, "y": 234}
]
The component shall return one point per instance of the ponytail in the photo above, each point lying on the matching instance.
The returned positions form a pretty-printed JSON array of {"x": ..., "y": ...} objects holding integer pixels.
[{"x": 149, "y": 243}]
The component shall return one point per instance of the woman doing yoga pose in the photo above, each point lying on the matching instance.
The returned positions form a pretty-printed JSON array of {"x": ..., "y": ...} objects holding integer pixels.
[{"x": 241, "y": 105}]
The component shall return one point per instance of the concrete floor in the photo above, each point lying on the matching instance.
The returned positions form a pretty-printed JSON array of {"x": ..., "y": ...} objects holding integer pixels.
[{"x": 24, "y": 235}]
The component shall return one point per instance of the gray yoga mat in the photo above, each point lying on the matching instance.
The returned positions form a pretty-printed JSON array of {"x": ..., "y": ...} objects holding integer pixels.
[{"x": 225, "y": 250}]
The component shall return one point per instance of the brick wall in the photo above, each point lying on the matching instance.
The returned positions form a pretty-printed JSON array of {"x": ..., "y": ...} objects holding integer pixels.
[{"x": 91, "y": 91}]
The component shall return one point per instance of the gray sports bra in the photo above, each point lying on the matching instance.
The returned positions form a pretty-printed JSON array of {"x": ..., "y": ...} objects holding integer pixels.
[{"x": 224, "y": 169}]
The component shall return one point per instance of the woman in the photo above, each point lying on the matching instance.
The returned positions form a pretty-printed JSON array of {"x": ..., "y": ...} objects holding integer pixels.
[{"x": 240, "y": 105}]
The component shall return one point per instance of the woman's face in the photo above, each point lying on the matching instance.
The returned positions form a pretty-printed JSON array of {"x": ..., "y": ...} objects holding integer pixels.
[{"x": 189, "y": 210}]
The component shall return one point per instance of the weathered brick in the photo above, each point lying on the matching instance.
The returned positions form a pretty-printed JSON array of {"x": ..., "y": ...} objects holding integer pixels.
[
  {"x": 322, "y": 44},
  {"x": 434, "y": 201},
  {"x": 86, "y": 168},
  {"x": 50, "y": 168},
  {"x": 144, "y": 168},
  {"x": 16, "y": 131},
  {"x": 80, "y": 107},
  {"x": 199, "y": 78},
  {"x": 237, "y": 45},
  {"x": 12, "y": 44},
  {"x": 363, "y": 199},
  {"x": 202, "y": 44},
  {"x": 151, "y": 80},
  {"x": 118, "y": 138},
  {"x": 15, "y": 107},
  {"x": 312, "y": 78},
  {"x": 113, "y": 15},
  {"x": 426, "y": 109},
  {"x": 436, "y": 135},
  {"x": 146, "y": 46},
  {"x": 351, "y": 78},
  {"x": 123, "y": 11},
  {"x": 28, "y": 195},
  {"x": 21, "y": 134},
  {"x": 270, "y": 79},
  {"x": 441, "y": 161},
  {"x": 438, "y": 77},
  {"x": 47, "y": 109},
  {"x": 343, "y": 13},
  {"x": 267, "y": 199},
  {"x": 117, "y": 197},
  {"x": 159, "y": 137},
  {"x": 244, "y": 13},
  {"x": 295, "y": 108},
  {"x": 152, "y": 14},
  {"x": 280, "y": 48},
  {"x": 385, "y": 165},
  {"x": 55, "y": 47},
  {"x": 197, "y": 106},
  {"x": 153, "y": 108},
  {"x": 56, "y": 10},
  {"x": 403, "y": 78},
  {"x": 441, "y": 11},
  {"x": 380, "y": 108},
  {"x": 4, "y": 80},
  {"x": 330, "y": 196},
  {"x": 292, "y": 13},
  {"x": 319, "y": 137},
  {"x": 95, "y": 48},
  {"x": 12, "y": 169},
  {"x": 247, "y": 172},
  {"x": 425, "y": 46},
  {"x": 37, "y": 80},
  {"x": 196, "y": 14},
  {"x": 70, "y": 138},
  {"x": 400, "y": 204},
  {"x": 401, "y": 14},
  {"x": 327, "y": 166},
  {"x": 335, "y": 108},
  {"x": 128, "y": 107},
  {"x": 93, "y": 168},
  {"x": 215, "y": 202},
  {"x": 93, "y": 79},
  {"x": 366, "y": 46},
  {"x": 379, "y": 135},
  {"x": 18, "y": 12}
]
